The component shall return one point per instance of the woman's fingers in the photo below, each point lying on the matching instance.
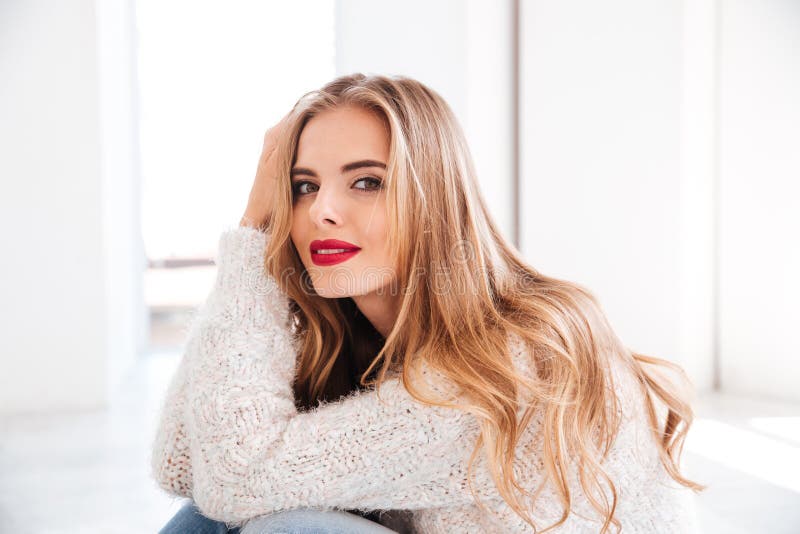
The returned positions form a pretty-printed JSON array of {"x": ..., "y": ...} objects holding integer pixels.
[{"x": 259, "y": 201}]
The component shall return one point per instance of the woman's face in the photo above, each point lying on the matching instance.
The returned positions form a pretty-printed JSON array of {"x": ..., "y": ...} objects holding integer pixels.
[{"x": 338, "y": 193}]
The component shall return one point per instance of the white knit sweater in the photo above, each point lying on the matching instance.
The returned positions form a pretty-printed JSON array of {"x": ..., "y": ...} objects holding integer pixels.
[{"x": 231, "y": 438}]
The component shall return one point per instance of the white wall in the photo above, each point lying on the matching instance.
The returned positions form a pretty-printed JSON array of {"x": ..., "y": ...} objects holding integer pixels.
[
  {"x": 67, "y": 285},
  {"x": 602, "y": 202},
  {"x": 53, "y": 353},
  {"x": 462, "y": 50},
  {"x": 760, "y": 197},
  {"x": 698, "y": 262},
  {"x": 127, "y": 319},
  {"x": 489, "y": 114}
]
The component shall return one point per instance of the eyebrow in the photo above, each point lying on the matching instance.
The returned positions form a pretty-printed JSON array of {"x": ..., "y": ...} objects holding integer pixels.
[{"x": 296, "y": 171}]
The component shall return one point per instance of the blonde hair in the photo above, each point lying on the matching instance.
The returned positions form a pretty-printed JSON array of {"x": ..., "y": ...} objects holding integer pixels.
[{"x": 439, "y": 221}]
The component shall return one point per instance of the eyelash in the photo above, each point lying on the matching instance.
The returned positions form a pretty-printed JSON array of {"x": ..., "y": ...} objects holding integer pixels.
[{"x": 297, "y": 184}]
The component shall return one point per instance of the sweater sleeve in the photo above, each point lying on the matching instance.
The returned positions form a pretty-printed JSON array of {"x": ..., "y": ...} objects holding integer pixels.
[
  {"x": 254, "y": 453},
  {"x": 170, "y": 462}
]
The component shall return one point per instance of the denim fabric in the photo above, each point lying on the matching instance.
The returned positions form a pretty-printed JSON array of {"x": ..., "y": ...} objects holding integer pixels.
[
  {"x": 190, "y": 520},
  {"x": 309, "y": 521},
  {"x": 298, "y": 521}
]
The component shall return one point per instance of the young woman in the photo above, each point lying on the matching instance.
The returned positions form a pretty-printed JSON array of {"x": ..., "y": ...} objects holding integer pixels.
[{"x": 373, "y": 346}]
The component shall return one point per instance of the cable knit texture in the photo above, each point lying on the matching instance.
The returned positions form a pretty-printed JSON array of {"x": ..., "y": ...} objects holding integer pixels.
[{"x": 231, "y": 438}]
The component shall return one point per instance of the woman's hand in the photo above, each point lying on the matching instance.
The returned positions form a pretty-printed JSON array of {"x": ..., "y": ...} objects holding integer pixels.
[{"x": 259, "y": 204}]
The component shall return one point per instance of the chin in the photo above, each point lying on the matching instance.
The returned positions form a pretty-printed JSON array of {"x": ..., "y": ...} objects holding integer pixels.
[{"x": 331, "y": 293}]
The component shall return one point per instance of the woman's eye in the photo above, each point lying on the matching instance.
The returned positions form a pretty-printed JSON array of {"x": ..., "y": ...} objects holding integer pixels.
[
  {"x": 374, "y": 183},
  {"x": 370, "y": 183},
  {"x": 298, "y": 187}
]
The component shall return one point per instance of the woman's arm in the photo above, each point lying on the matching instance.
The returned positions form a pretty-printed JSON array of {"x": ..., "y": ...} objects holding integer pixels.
[
  {"x": 253, "y": 453},
  {"x": 170, "y": 460}
]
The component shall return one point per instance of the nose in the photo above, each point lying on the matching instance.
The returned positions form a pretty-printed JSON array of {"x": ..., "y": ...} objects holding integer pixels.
[{"x": 324, "y": 211}]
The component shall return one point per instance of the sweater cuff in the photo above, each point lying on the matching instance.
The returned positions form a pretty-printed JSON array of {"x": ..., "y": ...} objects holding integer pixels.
[
  {"x": 241, "y": 249},
  {"x": 247, "y": 290}
]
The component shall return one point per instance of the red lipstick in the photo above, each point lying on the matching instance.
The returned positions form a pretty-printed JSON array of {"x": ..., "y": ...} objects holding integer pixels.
[{"x": 332, "y": 251}]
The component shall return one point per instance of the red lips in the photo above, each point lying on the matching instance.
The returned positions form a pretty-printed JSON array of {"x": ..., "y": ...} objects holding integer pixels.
[{"x": 318, "y": 258}]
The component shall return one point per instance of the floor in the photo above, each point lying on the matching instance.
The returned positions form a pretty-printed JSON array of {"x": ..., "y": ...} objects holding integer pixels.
[{"x": 88, "y": 472}]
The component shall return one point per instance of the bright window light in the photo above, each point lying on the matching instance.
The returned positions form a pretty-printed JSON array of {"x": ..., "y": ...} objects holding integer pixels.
[
  {"x": 769, "y": 459},
  {"x": 213, "y": 76}
]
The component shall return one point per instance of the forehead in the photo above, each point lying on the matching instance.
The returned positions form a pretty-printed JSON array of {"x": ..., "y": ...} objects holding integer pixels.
[{"x": 342, "y": 135}]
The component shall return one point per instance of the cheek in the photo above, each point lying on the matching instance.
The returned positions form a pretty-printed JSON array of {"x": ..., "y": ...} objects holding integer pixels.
[
  {"x": 375, "y": 221},
  {"x": 378, "y": 236},
  {"x": 296, "y": 232}
]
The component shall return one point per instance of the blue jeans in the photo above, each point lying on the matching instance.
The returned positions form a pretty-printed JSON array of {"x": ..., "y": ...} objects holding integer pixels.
[{"x": 298, "y": 521}]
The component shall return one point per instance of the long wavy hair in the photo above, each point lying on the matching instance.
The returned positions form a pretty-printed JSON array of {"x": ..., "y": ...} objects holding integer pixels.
[{"x": 438, "y": 221}]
